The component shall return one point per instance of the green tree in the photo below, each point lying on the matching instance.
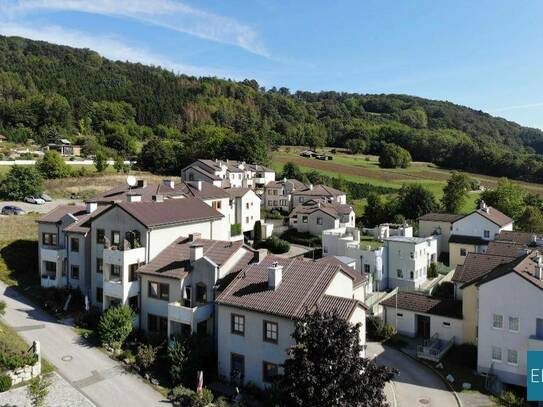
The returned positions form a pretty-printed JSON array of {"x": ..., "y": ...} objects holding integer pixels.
[
  {"x": 20, "y": 182},
  {"x": 116, "y": 323},
  {"x": 376, "y": 210},
  {"x": 257, "y": 233},
  {"x": 394, "y": 156},
  {"x": 53, "y": 166},
  {"x": 414, "y": 201},
  {"x": 189, "y": 355},
  {"x": 119, "y": 164},
  {"x": 327, "y": 369},
  {"x": 2, "y": 308},
  {"x": 37, "y": 391},
  {"x": 357, "y": 146},
  {"x": 292, "y": 171},
  {"x": 531, "y": 220},
  {"x": 146, "y": 356},
  {"x": 507, "y": 197},
  {"x": 100, "y": 161},
  {"x": 455, "y": 192}
]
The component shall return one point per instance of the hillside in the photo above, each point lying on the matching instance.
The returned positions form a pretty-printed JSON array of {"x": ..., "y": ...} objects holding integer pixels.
[{"x": 48, "y": 91}]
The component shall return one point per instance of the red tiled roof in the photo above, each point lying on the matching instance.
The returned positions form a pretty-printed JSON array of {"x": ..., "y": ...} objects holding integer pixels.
[
  {"x": 477, "y": 265},
  {"x": 237, "y": 192},
  {"x": 333, "y": 209},
  {"x": 417, "y": 302},
  {"x": 502, "y": 248},
  {"x": 523, "y": 238},
  {"x": 356, "y": 276},
  {"x": 279, "y": 183},
  {"x": 524, "y": 266},
  {"x": 60, "y": 211}
]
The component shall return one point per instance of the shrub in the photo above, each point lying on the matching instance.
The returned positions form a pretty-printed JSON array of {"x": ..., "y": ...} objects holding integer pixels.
[
  {"x": 115, "y": 325},
  {"x": 235, "y": 229},
  {"x": 394, "y": 156},
  {"x": 53, "y": 166},
  {"x": 37, "y": 391},
  {"x": 432, "y": 271},
  {"x": 2, "y": 308},
  {"x": 257, "y": 232},
  {"x": 189, "y": 355},
  {"x": 146, "y": 356},
  {"x": 88, "y": 319},
  {"x": 13, "y": 360},
  {"x": 303, "y": 238},
  {"x": 377, "y": 329},
  {"x": 183, "y": 397},
  {"x": 5, "y": 383},
  {"x": 276, "y": 245}
]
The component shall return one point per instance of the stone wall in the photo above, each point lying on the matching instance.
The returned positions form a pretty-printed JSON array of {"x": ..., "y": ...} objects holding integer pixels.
[{"x": 28, "y": 372}]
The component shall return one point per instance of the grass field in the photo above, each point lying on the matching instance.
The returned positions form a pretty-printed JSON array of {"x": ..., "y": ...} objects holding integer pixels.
[{"x": 365, "y": 169}]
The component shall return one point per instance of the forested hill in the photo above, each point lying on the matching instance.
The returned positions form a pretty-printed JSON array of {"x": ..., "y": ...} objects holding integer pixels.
[{"x": 48, "y": 91}]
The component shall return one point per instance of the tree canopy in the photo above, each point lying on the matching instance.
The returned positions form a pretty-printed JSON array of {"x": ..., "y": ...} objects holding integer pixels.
[
  {"x": 393, "y": 156},
  {"x": 455, "y": 192}
]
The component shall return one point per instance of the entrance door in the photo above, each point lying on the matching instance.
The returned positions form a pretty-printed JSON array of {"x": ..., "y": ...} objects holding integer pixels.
[{"x": 423, "y": 326}]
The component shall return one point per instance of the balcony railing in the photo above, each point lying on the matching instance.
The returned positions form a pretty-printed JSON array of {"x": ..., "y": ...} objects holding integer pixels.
[
  {"x": 53, "y": 255},
  {"x": 189, "y": 315}
]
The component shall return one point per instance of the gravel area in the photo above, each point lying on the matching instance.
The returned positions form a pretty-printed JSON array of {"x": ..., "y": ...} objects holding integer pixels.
[
  {"x": 61, "y": 394},
  {"x": 46, "y": 207}
]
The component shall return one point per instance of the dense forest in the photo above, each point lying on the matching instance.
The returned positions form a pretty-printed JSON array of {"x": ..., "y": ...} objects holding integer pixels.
[{"x": 49, "y": 91}]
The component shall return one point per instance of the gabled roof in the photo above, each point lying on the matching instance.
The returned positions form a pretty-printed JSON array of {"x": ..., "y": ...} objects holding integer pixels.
[
  {"x": 508, "y": 249},
  {"x": 231, "y": 165},
  {"x": 171, "y": 211},
  {"x": 495, "y": 216},
  {"x": 417, "y": 302},
  {"x": 60, "y": 211},
  {"x": 524, "y": 266},
  {"x": 174, "y": 260},
  {"x": 302, "y": 289},
  {"x": 319, "y": 190},
  {"x": 477, "y": 265},
  {"x": 335, "y": 210},
  {"x": 79, "y": 212},
  {"x": 342, "y": 261},
  {"x": 463, "y": 239},
  {"x": 280, "y": 183},
  {"x": 237, "y": 192},
  {"x": 523, "y": 238},
  {"x": 82, "y": 224},
  {"x": 441, "y": 217}
]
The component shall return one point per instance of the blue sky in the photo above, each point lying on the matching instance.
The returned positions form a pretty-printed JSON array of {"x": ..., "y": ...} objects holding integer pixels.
[{"x": 483, "y": 54}]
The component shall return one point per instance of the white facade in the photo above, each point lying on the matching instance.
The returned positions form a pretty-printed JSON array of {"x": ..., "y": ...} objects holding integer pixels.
[
  {"x": 477, "y": 225},
  {"x": 318, "y": 221},
  {"x": 509, "y": 310},
  {"x": 246, "y": 210}
]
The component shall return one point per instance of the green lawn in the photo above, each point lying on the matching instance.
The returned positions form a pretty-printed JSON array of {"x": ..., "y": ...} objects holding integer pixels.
[{"x": 370, "y": 241}]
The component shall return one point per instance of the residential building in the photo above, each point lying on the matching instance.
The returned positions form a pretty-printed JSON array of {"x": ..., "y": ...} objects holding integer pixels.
[
  {"x": 258, "y": 311},
  {"x": 278, "y": 194},
  {"x": 178, "y": 285},
  {"x": 318, "y": 192},
  {"x": 229, "y": 174},
  {"x": 510, "y": 318},
  {"x": 425, "y": 317},
  {"x": 385, "y": 230},
  {"x": 438, "y": 224},
  {"x": 245, "y": 206},
  {"x": 315, "y": 216},
  {"x": 65, "y": 148}
]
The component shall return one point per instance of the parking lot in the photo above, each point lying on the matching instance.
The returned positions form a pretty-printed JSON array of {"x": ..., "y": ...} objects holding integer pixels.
[{"x": 46, "y": 207}]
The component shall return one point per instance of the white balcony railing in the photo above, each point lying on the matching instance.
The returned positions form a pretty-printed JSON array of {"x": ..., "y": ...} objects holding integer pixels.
[
  {"x": 113, "y": 288},
  {"x": 53, "y": 255},
  {"x": 189, "y": 315},
  {"x": 122, "y": 257}
]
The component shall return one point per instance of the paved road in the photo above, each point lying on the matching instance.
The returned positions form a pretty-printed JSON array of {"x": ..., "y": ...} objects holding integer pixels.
[
  {"x": 93, "y": 373},
  {"x": 416, "y": 385},
  {"x": 46, "y": 207}
]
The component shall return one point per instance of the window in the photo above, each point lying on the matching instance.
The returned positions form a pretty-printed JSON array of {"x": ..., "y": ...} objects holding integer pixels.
[
  {"x": 74, "y": 244},
  {"x": 216, "y": 204},
  {"x": 49, "y": 239},
  {"x": 304, "y": 219},
  {"x": 237, "y": 367},
  {"x": 269, "y": 371},
  {"x": 514, "y": 324},
  {"x": 188, "y": 296},
  {"x": 247, "y": 205},
  {"x": 115, "y": 271},
  {"x": 201, "y": 293},
  {"x": 100, "y": 236},
  {"x": 50, "y": 269},
  {"x": 134, "y": 303},
  {"x": 99, "y": 294},
  {"x": 157, "y": 324},
  {"x": 486, "y": 234},
  {"x": 497, "y": 321},
  {"x": 399, "y": 273},
  {"x": 75, "y": 272},
  {"x": 463, "y": 252},
  {"x": 246, "y": 219},
  {"x": 446, "y": 324},
  {"x": 411, "y": 275},
  {"x": 237, "y": 324},
  {"x": 271, "y": 330},
  {"x": 132, "y": 276},
  {"x": 160, "y": 291},
  {"x": 269, "y": 203},
  {"x": 539, "y": 328},
  {"x": 99, "y": 265},
  {"x": 512, "y": 356},
  {"x": 412, "y": 255},
  {"x": 496, "y": 354},
  {"x": 399, "y": 315},
  {"x": 367, "y": 268},
  {"x": 319, "y": 221},
  {"x": 115, "y": 237}
]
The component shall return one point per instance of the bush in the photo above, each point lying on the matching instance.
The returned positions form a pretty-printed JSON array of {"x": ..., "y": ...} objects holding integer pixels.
[
  {"x": 89, "y": 319},
  {"x": 303, "y": 238},
  {"x": 432, "y": 271},
  {"x": 276, "y": 245},
  {"x": 11, "y": 360},
  {"x": 189, "y": 355},
  {"x": 183, "y": 397},
  {"x": 235, "y": 229},
  {"x": 379, "y": 330},
  {"x": 5, "y": 383},
  {"x": 257, "y": 232},
  {"x": 115, "y": 325},
  {"x": 146, "y": 356},
  {"x": 37, "y": 391},
  {"x": 53, "y": 166},
  {"x": 20, "y": 182},
  {"x": 394, "y": 156}
]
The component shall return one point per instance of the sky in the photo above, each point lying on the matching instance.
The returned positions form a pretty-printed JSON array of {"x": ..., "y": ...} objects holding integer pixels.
[{"x": 485, "y": 54}]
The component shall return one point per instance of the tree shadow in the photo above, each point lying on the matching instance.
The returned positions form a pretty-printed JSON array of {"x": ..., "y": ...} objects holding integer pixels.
[{"x": 21, "y": 262}]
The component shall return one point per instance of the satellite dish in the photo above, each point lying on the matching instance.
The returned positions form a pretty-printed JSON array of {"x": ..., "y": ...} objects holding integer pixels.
[{"x": 131, "y": 180}]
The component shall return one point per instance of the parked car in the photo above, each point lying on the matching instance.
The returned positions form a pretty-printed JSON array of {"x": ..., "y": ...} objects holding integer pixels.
[
  {"x": 46, "y": 198},
  {"x": 12, "y": 210},
  {"x": 73, "y": 195},
  {"x": 34, "y": 200}
]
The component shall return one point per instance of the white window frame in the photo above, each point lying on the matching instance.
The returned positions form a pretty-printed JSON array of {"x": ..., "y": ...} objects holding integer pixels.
[
  {"x": 494, "y": 319},
  {"x": 509, "y": 324},
  {"x": 509, "y": 353},
  {"x": 494, "y": 348}
]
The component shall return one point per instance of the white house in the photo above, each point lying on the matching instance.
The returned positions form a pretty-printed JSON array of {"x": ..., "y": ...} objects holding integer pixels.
[
  {"x": 258, "y": 311},
  {"x": 315, "y": 216},
  {"x": 318, "y": 192},
  {"x": 278, "y": 194},
  {"x": 510, "y": 318},
  {"x": 245, "y": 206}
]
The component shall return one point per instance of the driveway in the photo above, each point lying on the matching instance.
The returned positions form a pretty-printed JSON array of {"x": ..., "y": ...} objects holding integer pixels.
[
  {"x": 102, "y": 380},
  {"x": 416, "y": 385},
  {"x": 46, "y": 207}
]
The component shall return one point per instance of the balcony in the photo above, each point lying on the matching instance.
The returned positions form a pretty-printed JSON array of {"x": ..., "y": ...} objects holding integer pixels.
[
  {"x": 189, "y": 315},
  {"x": 118, "y": 257},
  {"x": 53, "y": 255},
  {"x": 113, "y": 288},
  {"x": 49, "y": 279},
  {"x": 535, "y": 343}
]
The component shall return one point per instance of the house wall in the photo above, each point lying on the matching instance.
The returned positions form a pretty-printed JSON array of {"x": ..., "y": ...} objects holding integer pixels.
[
  {"x": 299, "y": 198},
  {"x": 456, "y": 259},
  {"x": 249, "y": 208},
  {"x": 470, "y": 313},
  {"x": 476, "y": 225},
  {"x": 57, "y": 229},
  {"x": 153, "y": 305},
  {"x": 399, "y": 258},
  {"x": 328, "y": 222},
  {"x": 340, "y": 286},
  {"x": 78, "y": 259},
  {"x": 190, "y": 174},
  {"x": 429, "y": 228},
  {"x": 509, "y": 295}
]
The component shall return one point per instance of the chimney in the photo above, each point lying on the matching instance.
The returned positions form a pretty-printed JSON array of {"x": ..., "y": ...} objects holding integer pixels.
[
  {"x": 260, "y": 255},
  {"x": 158, "y": 198},
  {"x": 196, "y": 252},
  {"x": 483, "y": 206},
  {"x": 275, "y": 275},
  {"x": 140, "y": 183},
  {"x": 169, "y": 183},
  {"x": 134, "y": 197},
  {"x": 285, "y": 179},
  {"x": 194, "y": 236},
  {"x": 197, "y": 185},
  {"x": 538, "y": 267},
  {"x": 91, "y": 206},
  {"x": 311, "y": 187}
]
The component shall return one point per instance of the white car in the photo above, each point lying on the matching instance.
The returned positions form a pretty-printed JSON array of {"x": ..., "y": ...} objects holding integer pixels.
[{"x": 34, "y": 200}]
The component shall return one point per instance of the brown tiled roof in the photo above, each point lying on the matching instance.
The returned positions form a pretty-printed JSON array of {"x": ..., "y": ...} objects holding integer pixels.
[
  {"x": 523, "y": 238},
  {"x": 417, "y": 302},
  {"x": 232, "y": 165},
  {"x": 495, "y": 216},
  {"x": 237, "y": 192},
  {"x": 525, "y": 266},
  {"x": 174, "y": 260},
  {"x": 171, "y": 211},
  {"x": 82, "y": 225},
  {"x": 463, "y": 239},
  {"x": 441, "y": 217},
  {"x": 302, "y": 287},
  {"x": 279, "y": 183},
  {"x": 333, "y": 209},
  {"x": 60, "y": 211},
  {"x": 343, "y": 307},
  {"x": 319, "y": 190},
  {"x": 508, "y": 249},
  {"x": 477, "y": 265},
  {"x": 358, "y": 278}
]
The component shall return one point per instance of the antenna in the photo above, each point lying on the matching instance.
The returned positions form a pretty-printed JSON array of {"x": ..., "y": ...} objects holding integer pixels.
[{"x": 131, "y": 181}]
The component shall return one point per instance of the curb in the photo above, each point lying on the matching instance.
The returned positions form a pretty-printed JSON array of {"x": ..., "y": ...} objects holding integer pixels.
[{"x": 438, "y": 373}]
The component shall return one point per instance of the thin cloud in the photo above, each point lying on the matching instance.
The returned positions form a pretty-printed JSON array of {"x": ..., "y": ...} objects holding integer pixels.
[
  {"x": 107, "y": 46},
  {"x": 168, "y": 14},
  {"x": 518, "y": 107}
]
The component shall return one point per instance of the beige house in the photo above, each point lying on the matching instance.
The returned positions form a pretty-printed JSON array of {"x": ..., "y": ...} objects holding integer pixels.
[
  {"x": 258, "y": 311},
  {"x": 278, "y": 194},
  {"x": 316, "y": 216},
  {"x": 440, "y": 225}
]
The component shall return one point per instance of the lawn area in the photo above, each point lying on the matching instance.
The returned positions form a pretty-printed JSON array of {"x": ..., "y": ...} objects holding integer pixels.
[{"x": 366, "y": 241}]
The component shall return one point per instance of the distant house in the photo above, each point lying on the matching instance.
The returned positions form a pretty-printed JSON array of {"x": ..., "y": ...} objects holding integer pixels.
[
  {"x": 2, "y": 138},
  {"x": 278, "y": 194},
  {"x": 65, "y": 148},
  {"x": 308, "y": 154},
  {"x": 315, "y": 216},
  {"x": 318, "y": 192}
]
